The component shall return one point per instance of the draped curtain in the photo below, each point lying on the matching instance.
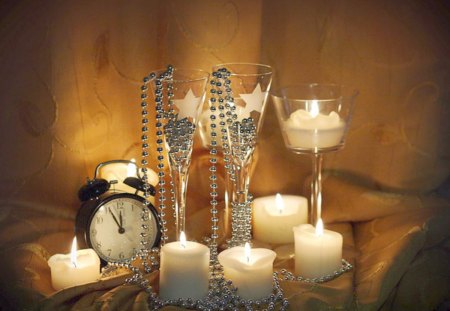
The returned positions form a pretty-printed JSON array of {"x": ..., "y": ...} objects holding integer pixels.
[{"x": 71, "y": 73}]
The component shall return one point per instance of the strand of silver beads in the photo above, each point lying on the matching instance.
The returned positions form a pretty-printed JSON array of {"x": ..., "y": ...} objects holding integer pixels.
[
  {"x": 284, "y": 275},
  {"x": 149, "y": 257}
]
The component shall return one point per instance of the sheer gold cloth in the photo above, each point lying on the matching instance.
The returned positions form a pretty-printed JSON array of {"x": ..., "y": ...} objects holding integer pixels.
[{"x": 69, "y": 97}]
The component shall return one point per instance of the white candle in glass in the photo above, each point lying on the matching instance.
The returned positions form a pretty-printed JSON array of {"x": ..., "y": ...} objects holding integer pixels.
[
  {"x": 250, "y": 270},
  {"x": 310, "y": 129},
  {"x": 184, "y": 271},
  {"x": 275, "y": 216},
  {"x": 318, "y": 252},
  {"x": 78, "y": 267}
]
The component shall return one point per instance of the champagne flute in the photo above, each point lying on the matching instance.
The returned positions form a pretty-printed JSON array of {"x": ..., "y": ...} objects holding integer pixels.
[
  {"x": 179, "y": 94},
  {"x": 239, "y": 95}
]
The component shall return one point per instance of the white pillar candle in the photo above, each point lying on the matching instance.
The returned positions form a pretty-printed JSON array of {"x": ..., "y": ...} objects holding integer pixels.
[
  {"x": 184, "y": 271},
  {"x": 275, "y": 216},
  {"x": 312, "y": 129},
  {"x": 78, "y": 267},
  {"x": 249, "y": 270},
  {"x": 120, "y": 171},
  {"x": 318, "y": 252}
]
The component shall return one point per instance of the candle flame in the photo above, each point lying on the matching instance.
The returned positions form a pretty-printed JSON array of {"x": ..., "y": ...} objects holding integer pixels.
[
  {"x": 183, "y": 239},
  {"x": 73, "y": 252},
  {"x": 319, "y": 227},
  {"x": 248, "y": 251},
  {"x": 131, "y": 168},
  {"x": 279, "y": 203},
  {"x": 313, "y": 108}
]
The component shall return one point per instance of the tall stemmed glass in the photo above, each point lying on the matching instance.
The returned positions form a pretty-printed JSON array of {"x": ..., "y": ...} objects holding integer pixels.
[
  {"x": 239, "y": 95},
  {"x": 179, "y": 94},
  {"x": 314, "y": 119}
]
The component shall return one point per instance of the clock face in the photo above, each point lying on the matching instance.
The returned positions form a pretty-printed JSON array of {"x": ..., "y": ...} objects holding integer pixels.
[{"x": 115, "y": 228}]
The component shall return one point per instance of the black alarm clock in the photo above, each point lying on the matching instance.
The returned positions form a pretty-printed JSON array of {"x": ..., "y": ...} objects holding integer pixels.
[{"x": 110, "y": 221}]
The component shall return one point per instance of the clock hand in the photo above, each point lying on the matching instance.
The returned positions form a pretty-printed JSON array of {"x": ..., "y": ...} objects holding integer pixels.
[{"x": 121, "y": 229}]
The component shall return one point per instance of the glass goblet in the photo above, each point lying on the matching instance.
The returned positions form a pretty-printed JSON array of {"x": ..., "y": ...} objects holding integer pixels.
[
  {"x": 179, "y": 94},
  {"x": 314, "y": 119}
]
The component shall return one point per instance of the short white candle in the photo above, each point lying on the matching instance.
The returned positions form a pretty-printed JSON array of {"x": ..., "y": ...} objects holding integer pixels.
[
  {"x": 249, "y": 270},
  {"x": 184, "y": 271},
  {"x": 318, "y": 252},
  {"x": 310, "y": 129},
  {"x": 120, "y": 171},
  {"x": 78, "y": 267},
  {"x": 275, "y": 216}
]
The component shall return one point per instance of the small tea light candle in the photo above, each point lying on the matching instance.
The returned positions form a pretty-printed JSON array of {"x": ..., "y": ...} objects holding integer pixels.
[
  {"x": 318, "y": 252},
  {"x": 250, "y": 270},
  {"x": 275, "y": 216},
  {"x": 78, "y": 267},
  {"x": 184, "y": 271},
  {"x": 310, "y": 129}
]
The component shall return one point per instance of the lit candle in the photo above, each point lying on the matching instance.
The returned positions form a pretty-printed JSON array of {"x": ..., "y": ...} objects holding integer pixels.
[
  {"x": 318, "y": 252},
  {"x": 184, "y": 271},
  {"x": 250, "y": 270},
  {"x": 78, "y": 267},
  {"x": 118, "y": 171},
  {"x": 275, "y": 216},
  {"x": 310, "y": 129}
]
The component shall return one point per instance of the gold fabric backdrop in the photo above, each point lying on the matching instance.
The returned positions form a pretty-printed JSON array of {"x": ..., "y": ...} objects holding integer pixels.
[{"x": 70, "y": 88}]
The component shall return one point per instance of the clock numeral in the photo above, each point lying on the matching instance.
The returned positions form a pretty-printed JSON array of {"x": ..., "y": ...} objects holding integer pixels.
[
  {"x": 109, "y": 252},
  {"x": 134, "y": 252},
  {"x": 93, "y": 232},
  {"x": 99, "y": 245},
  {"x": 121, "y": 255},
  {"x": 99, "y": 220}
]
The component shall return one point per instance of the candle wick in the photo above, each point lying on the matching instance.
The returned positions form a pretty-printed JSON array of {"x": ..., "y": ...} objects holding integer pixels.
[{"x": 74, "y": 264}]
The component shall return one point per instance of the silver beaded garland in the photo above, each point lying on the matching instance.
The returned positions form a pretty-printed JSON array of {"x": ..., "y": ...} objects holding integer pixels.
[
  {"x": 285, "y": 275},
  {"x": 222, "y": 295}
]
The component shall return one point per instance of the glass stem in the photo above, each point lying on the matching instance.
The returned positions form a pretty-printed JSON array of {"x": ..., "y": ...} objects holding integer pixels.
[
  {"x": 241, "y": 225},
  {"x": 227, "y": 203},
  {"x": 242, "y": 181},
  {"x": 316, "y": 189},
  {"x": 180, "y": 180}
]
